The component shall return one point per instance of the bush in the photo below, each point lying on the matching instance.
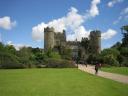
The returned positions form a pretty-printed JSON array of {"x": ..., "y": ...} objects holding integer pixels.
[
  {"x": 111, "y": 51},
  {"x": 59, "y": 63},
  {"x": 92, "y": 58},
  {"x": 110, "y": 60},
  {"x": 55, "y": 55},
  {"x": 9, "y": 61},
  {"x": 125, "y": 62},
  {"x": 124, "y": 51}
]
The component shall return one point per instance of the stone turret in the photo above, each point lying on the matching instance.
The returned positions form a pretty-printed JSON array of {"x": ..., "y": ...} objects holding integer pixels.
[
  {"x": 48, "y": 38},
  {"x": 95, "y": 41}
]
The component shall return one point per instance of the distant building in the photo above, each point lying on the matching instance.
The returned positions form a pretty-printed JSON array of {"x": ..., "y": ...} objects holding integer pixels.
[{"x": 57, "y": 41}]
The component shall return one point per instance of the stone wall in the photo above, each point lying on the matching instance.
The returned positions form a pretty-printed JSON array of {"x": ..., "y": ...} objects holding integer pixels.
[{"x": 57, "y": 40}]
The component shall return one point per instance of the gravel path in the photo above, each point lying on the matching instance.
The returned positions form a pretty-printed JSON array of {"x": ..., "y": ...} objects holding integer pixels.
[{"x": 113, "y": 76}]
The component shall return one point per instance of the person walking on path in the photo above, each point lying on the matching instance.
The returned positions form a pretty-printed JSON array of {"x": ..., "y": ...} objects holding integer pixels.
[{"x": 96, "y": 68}]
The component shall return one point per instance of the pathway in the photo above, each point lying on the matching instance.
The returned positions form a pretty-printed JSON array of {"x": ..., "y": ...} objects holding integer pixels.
[{"x": 113, "y": 76}]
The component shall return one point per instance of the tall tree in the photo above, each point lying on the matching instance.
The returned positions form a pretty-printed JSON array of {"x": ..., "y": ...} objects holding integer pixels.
[{"x": 125, "y": 36}]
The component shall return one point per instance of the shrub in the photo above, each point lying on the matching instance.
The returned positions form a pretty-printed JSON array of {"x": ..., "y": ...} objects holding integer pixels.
[
  {"x": 124, "y": 51},
  {"x": 55, "y": 55},
  {"x": 110, "y": 60},
  {"x": 92, "y": 58},
  {"x": 125, "y": 62},
  {"x": 9, "y": 61},
  {"x": 59, "y": 63}
]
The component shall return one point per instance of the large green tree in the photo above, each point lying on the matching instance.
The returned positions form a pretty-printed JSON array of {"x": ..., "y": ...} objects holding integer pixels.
[
  {"x": 110, "y": 56},
  {"x": 125, "y": 36}
]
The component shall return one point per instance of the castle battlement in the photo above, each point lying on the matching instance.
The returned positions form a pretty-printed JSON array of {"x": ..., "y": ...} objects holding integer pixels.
[
  {"x": 48, "y": 29},
  {"x": 54, "y": 40},
  {"x": 96, "y": 33}
]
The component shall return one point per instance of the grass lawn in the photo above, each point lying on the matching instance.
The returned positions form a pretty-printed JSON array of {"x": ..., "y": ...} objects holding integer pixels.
[
  {"x": 119, "y": 70},
  {"x": 57, "y": 82}
]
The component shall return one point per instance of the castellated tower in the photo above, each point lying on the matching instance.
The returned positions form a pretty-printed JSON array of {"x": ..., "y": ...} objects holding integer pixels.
[
  {"x": 53, "y": 40},
  {"x": 48, "y": 38},
  {"x": 95, "y": 41}
]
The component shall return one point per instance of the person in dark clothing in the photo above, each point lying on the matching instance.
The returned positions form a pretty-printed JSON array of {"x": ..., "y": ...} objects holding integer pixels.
[
  {"x": 96, "y": 68},
  {"x": 77, "y": 60},
  {"x": 85, "y": 63}
]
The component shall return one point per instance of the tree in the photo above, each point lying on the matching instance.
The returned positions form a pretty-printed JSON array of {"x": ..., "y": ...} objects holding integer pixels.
[
  {"x": 110, "y": 51},
  {"x": 67, "y": 54},
  {"x": 125, "y": 36},
  {"x": 8, "y": 60},
  {"x": 24, "y": 55},
  {"x": 117, "y": 46},
  {"x": 110, "y": 56},
  {"x": 124, "y": 51},
  {"x": 10, "y": 49},
  {"x": 110, "y": 60},
  {"x": 93, "y": 58},
  {"x": 2, "y": 47}
]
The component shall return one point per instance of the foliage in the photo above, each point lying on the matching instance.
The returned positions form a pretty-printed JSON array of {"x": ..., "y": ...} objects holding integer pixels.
[
  {"x": 124, "y": 62},
  {"x": 10, "y": 49},
  {"x": 2, "y": 47},
  {"x": 59, "y": 63},
  {"x": 24, "y": 55},
  {"x": 117, "y": 46},
  {"x": 28, "y": 57},
  {"x": 125, "y": 36},
  {"x": 9, "y": 61},
  {"x": 66, "y": 54},
  {"x": 110, "y": 56},
  {"x": 55, "y": 55},
  {"x": 111, "y": 51},
  {"x": 124, "y": 51},
  {"x": 94, "y": 58},
  {"x": 109, "y": 59}
]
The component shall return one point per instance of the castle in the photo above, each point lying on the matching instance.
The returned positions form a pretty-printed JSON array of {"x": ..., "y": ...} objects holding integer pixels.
[{"x": 57, "y": 41}]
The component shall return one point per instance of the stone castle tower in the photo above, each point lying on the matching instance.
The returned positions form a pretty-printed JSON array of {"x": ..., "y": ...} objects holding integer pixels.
[
  {"x": 48, "y": 38},
  {"x": 95, "y": 41},
  {"x": 53, "y": 39},
  {"x": 57, "y": 41}
]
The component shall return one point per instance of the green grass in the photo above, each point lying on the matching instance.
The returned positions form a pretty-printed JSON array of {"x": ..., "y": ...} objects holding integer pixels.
[
  {"x": 57, "y": 82},
  {"x": 118, "y": 70}
]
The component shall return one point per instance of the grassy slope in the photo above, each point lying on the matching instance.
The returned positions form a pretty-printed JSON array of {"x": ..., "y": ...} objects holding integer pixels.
[
  {"x": 119, "y": 70},
  {"x": 57, "y": 82}
]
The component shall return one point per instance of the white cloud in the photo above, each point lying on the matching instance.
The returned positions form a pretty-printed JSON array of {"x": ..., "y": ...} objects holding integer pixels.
[
  {"x": 6, "y": 23},
  {"x": 17, "y": 46},
  {"x": 125, "y": 11},
  {"x": 71, "y": 37},
  {"x": 113, "y": 2},
  {"x": 123, "y": 16},
  {"x": 108, "y": 34},
  {"x": 72, "y": 23},
  {"x": 94, "y": 9},
  {"x": 81, "y": 32},
  {"x": 38, "y": 31}
]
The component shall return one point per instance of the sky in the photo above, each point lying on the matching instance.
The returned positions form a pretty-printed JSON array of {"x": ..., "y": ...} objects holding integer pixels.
[{"x": 22, "y": 22}]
